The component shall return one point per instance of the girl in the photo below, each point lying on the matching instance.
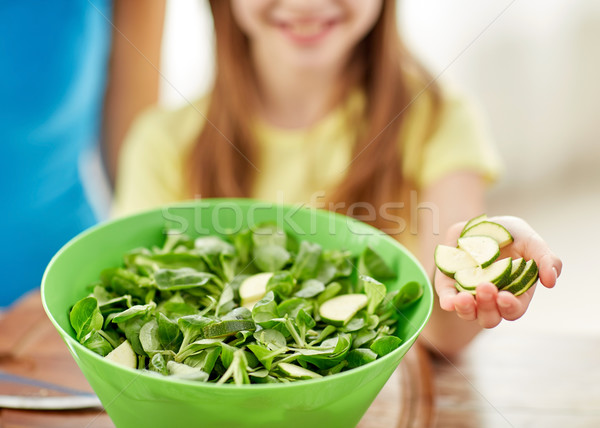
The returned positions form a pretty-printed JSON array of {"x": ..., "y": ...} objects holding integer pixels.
[{"x": 320, "y": 101}]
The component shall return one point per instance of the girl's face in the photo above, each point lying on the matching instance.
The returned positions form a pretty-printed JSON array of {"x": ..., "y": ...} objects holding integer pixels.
[{"x": 314, "y": 35}]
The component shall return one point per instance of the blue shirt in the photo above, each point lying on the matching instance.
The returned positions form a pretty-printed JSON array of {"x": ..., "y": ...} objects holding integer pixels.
[{"x": 53, "y": 62}]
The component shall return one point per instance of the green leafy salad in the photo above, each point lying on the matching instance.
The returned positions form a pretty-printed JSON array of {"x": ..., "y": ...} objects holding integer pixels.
[{"x": 259, "y": 306}]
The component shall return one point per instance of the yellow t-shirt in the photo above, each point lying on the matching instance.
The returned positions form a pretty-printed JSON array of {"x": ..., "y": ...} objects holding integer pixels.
[{"x": 295, "y": 165}]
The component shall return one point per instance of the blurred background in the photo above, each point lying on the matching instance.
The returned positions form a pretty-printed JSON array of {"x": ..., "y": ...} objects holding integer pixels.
[{"x": 533, "y": 67}]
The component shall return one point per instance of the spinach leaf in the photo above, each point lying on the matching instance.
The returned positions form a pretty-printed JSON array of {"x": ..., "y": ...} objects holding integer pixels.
[
  {"x": 375, "y": 292},
  {"x": 131, "y": 328},
  {"x": 265, "y": 355},
  {"x": 408, "y": 294},
  {"x": 123, "y": 281},
  {"x": 272, "y": 339},
  {"x": 183, "y": 278},
  {"x": 158, "y": 364},
  {"x": 307, "y": 260},
  {"x": 310, "y": 288},
  {"x": 359, "y": 357},
  {"x": 169, "y": 335},
  {"x": 192, "y": 326},
  {"x": 304, "y": 322},
  {"x": 85, "y": 317},
  {"x": 385, "y": 344},
  {"x": 149, "y": 337},
  {"x": 282, "y": 283},
  {"x": 270, "y": 253},
  {"x": 205, "y": 360},
  {"x": 133, "y": 312},
  {"x": 270, "y": 258},
  {"x": 291, "y": 307},
  {"x": 370, "y": 263},
  {"x": 97, "y": 343},
  {"x": 265, "y": 310}
]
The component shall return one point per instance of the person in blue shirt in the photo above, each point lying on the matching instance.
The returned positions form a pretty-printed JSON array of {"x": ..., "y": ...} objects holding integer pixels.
[{"x": 54, "y": 63}]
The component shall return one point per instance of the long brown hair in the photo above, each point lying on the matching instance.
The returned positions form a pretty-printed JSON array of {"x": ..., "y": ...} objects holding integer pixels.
[{"x": 381, "y": 66}]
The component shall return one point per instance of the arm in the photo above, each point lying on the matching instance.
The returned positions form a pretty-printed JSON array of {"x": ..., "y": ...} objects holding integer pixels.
[
  {"x": 457, "y": 197},
  {"x": 133, "y": 75}
]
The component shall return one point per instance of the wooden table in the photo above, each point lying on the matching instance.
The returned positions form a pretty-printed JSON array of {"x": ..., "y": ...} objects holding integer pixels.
[{"x": 510, "y": 379}]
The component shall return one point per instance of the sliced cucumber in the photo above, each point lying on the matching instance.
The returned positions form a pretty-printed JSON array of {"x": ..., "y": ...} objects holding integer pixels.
[
  {"x": 254, "y": 288},
  {"x": 525, "y": 280},
  {"x": 227, "y": 328},
  {"x": 492, "y": 230},
  {"x": 473, "y": 222},
  {"x": 461, "y": 288},
  {"x": 298, "y": 372},
  {"x": 339, "y": 310},
  {"x": 124, "y": 355},
  {"x": 518, "y": 265},
  {"x": 497, "y": 273},
  {"x": 450, "y": 259},
  {"x": 483, "y": 249}
]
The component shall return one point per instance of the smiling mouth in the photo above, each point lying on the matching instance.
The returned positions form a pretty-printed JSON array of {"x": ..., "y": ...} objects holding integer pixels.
[{"x": 305, "y": 32}]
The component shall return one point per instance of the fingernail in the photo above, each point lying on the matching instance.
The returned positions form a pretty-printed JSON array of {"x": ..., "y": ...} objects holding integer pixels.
[
  {"x": 503, "y": 304},
  {"x": 555, "y": 272},
  {"x": 485, "y": 295}
]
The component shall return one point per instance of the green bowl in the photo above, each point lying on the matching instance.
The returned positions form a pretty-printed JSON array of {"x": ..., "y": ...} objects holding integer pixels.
[{"x": 133, "y": 398}]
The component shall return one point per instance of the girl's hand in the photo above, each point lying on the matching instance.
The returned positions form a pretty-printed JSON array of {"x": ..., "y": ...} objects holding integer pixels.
[{"x": 489, "y": 306}]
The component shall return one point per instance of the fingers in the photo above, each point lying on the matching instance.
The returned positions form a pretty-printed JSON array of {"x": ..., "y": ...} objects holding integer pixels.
[
  {"x": 488, "y": 314},
  {"x": 446, "y": 291},
  {"x": 531, "y": 246},
  {"x": 511, "y": 307},
  {"x": 550, "y": 267},
  {"x": 465, "y": 306}
]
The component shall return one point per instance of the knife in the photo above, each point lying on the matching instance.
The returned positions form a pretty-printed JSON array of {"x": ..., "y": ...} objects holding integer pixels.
[{"x": 75, "y": 399}]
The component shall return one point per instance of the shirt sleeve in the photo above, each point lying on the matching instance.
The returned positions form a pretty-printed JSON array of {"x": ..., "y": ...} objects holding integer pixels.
[
  {"x": 461, "y": 142},
  {"x": 149, "y": 171}
]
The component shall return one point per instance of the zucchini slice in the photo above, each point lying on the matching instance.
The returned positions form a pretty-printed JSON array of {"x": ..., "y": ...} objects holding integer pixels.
[
  {"x": 450, "y": 260},
  {"x": 227, "y": 328},
  {"x": 339, "y": 310},
  {"x": 492, "y": 230},
  {"x": 461, "y": 288},
  {"x": 124, "y": 355},
  {"x": 254, "y": 288},
  {"x": 525, "y": 280},
  {"x": 483, "y": 249},
  {"x": 518, "y": 265},
  {"x": 473, "y": 222},
  {"x": 298, "y": 372},
  {"x": 497, "y": 273}
]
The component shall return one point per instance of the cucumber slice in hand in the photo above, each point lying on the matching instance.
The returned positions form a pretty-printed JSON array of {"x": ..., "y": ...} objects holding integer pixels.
[
  {"x": 525, "y": 280},
  {"x": 339, "y": 310},
  {"x": 450, "y": 260},
  {"x": 461, "y": 288},
  {"x": 497, "y": 273},
  {"x": 518, "y": 265},
  {"x": 492, "y": 230},
  {"x": 483, "y": 249},
  {"x": 473, "y": 222},
  {"x": 124, "y": 355}
]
